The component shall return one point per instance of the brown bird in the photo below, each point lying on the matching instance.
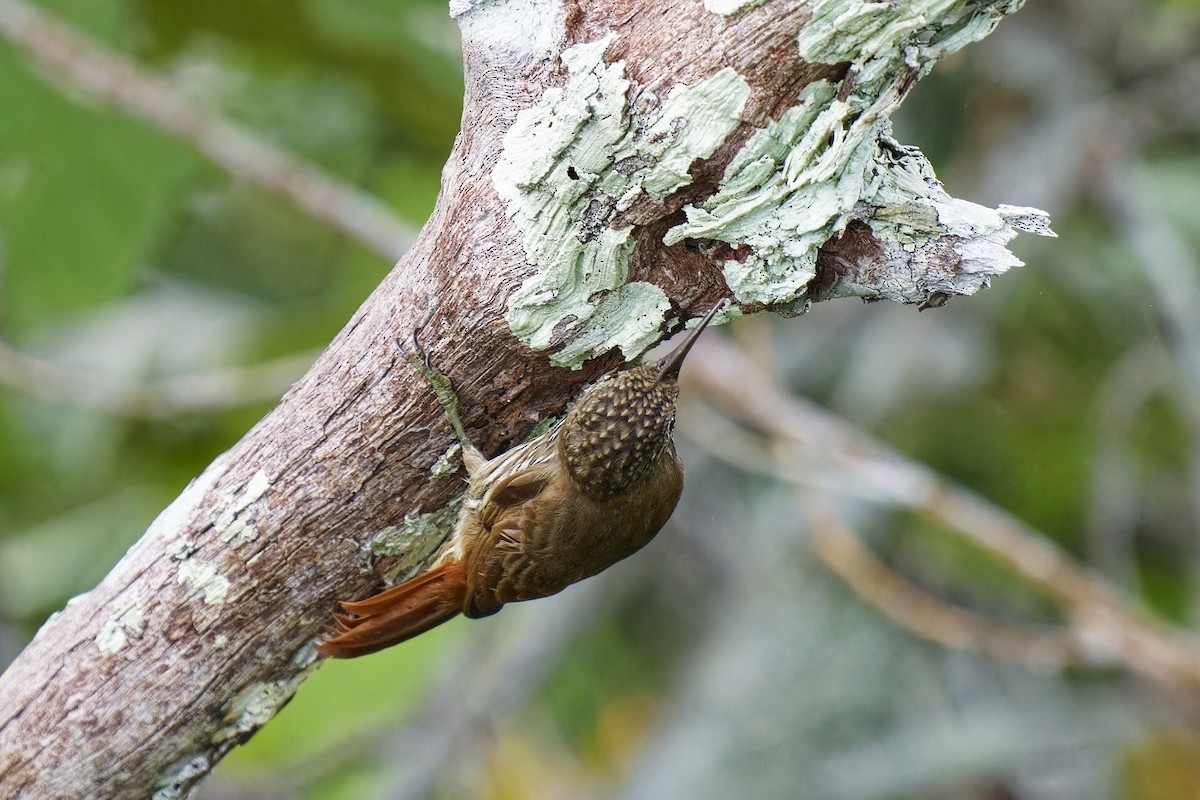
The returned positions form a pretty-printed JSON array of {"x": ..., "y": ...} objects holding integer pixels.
[{"x": 559, "y": 508}]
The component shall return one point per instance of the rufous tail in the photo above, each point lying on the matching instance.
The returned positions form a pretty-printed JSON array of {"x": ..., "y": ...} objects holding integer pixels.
[{"x": 397, "y": 614}]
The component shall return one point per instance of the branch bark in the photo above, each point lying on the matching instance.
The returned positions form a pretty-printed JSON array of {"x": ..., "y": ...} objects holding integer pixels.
[{"x": 612, "y": 176}]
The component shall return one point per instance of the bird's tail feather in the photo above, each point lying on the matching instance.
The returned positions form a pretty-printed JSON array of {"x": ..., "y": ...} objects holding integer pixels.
[{"x": 397, "y": 614}]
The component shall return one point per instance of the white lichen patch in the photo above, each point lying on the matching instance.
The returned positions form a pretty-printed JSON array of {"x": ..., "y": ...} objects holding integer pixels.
[
  {"x": 801, "y": 179},
  {"x": 116, "y": 630},
  {"x": 177, "y": 780},
  {"x": 727, "y": 7},
  {"x": 182, "y": 549},
  {"x": 257, "y": 486},
  {"x": 233, "y": 521},
  {"x": 573, "y": 161},
  {"x": 512, "y": 30},
  {"x": 1026, "y": 219},
  {"x": 203, "y": 579},
  {"x": 920, "y": 224},
  {"x": 233, "y": 502},
  {"x": 234, "y": 512},
  {"x": 175, "y": 517}
]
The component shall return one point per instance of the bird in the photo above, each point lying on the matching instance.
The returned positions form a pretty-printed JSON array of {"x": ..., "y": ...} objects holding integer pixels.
[{"x": 559, "y": 508}]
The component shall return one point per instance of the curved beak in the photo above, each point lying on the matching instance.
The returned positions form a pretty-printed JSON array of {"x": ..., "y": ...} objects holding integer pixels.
[{"x": 668, "y": 365}]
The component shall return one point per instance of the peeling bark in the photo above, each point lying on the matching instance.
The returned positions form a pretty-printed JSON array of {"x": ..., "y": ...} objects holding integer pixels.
[{"x": 741, "y": 150}]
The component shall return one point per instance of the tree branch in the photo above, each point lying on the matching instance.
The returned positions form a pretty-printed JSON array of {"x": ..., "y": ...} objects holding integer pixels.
[
  {"x": 209, "y": 391},
  {"x": 610, "y": 178}
]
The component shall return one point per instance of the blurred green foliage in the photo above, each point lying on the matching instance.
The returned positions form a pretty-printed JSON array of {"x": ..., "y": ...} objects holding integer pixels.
[
  {"x": 1062, "y": 395},
  {"x": 55, "y": 219}
]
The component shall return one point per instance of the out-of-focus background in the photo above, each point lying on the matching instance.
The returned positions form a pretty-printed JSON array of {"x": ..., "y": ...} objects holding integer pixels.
[{"x": 154, "y": 304}]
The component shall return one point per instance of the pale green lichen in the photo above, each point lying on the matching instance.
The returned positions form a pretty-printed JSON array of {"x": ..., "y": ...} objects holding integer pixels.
[
  {"x": 783, "y": 195},
  {"x": 116, "y": 630},
  {"x": 204, "y": 580},
  {"x": 239, "y": 532},
  {"x": 802, "y": 178},
  {"x": 258, "y": 702},
  {"x": 448, "y": 462},
  {"x": 413, "y": 541},
  {"x": 249, "y": 710},
  {"x": 543, "y": 425},
  {"x": 631, "y": 313},
  {"x": 573, "y": 161},
  {"x": 255, "y": 705},
  {"x": 874, "y": 35}
]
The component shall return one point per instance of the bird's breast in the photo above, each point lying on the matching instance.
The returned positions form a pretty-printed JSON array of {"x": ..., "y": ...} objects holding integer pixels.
[{"x": 562, "y": 536}]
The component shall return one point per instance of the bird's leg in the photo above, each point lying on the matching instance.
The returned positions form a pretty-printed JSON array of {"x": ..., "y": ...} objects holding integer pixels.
[{"x": 443, "y": 391}]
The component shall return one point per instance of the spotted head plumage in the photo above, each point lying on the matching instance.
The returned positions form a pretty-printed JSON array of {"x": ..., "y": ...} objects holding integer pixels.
[{"x": 621, "y": 425}]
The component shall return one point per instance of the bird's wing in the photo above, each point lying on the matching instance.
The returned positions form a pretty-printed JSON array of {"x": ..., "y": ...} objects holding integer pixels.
[
  {"x": 515, "y": 477},
  {"x": 511, "y": 491}
]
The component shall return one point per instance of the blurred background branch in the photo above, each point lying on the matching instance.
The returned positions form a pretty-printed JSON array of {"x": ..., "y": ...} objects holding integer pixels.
[
  {"x": 189, "y": 394},
  {"x": 86, "y": 69},
  {"x": 814, "y": 449},
  {"x": 919, "y": 612}
]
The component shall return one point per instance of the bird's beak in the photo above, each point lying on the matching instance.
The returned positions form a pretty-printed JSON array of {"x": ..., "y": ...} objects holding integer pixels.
[{"x": 668, "y": 365}]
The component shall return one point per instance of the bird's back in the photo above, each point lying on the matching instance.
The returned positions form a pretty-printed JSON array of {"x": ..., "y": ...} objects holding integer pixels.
[{"x": 562, "y": 535}]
